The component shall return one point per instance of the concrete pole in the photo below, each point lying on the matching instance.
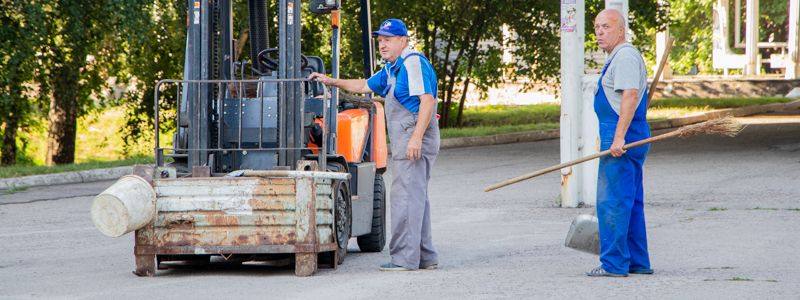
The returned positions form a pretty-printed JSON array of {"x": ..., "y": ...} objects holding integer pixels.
[
  {"x": 661, "y": 45},
  {"x": 793, "y": 63},
  {"x": 572, "y": 68},
  {"x": 751, "y": 38},
  {"x": 590, "y": 142},
  {"x": 622, "y": 6}
]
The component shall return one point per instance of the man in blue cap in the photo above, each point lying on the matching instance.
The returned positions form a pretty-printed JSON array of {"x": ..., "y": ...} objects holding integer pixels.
[{"x": 408, "y": 84}]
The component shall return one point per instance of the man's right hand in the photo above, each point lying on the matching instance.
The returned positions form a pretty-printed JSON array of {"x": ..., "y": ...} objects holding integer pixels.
[{"x": 322, "y": 78}]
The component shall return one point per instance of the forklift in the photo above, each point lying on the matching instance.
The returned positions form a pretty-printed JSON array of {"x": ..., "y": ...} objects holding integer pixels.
[{"x": 264, "y": 165}]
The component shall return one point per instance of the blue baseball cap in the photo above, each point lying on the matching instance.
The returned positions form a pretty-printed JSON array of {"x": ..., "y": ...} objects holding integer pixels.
[{"x": 392, "y": 27}]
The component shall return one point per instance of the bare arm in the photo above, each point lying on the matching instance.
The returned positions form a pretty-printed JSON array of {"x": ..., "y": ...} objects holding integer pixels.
[
  {"x": 426, "y": 106},
  {"x": 358, "y": 86},
  {"x": 626, "y": 111}
]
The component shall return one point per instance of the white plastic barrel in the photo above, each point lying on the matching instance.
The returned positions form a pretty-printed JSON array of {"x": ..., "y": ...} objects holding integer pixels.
[{"x": 127, "y": 205}]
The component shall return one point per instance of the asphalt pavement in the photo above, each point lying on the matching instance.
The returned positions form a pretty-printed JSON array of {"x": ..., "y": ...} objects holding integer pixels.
[{"x": 722, "y": 219}]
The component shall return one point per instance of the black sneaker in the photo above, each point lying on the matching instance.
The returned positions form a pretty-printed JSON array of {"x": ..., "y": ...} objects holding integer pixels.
[
  {"x": 393, "y": 267},
  {"x": 641, "y": 271},
  {"x": 429, "y": 267}
]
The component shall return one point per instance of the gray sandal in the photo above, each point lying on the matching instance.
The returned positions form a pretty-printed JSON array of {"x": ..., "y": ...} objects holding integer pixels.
[{"x": 600, "y": 272}]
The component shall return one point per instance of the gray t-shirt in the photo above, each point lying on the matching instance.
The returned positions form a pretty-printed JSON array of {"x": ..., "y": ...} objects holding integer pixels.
[{"x": 627, "y": 71}]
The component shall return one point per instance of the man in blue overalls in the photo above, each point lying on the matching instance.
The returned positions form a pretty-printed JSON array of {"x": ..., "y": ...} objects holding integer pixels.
[
  {"x": 621, "y": 107},
  {"x": 408, "y": 84}
]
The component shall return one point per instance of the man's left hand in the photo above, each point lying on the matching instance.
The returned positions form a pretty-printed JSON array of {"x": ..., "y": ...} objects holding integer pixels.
[
  {"x": 616, "y": 147},
  {"x": 414, "y": 148}
]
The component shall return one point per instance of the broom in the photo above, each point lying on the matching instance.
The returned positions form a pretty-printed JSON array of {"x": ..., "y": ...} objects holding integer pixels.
[{"x": 726, "y": 126}]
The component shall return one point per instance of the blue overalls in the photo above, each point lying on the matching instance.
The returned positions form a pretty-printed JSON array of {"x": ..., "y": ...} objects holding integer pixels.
[{"x": 620, "y": 208}]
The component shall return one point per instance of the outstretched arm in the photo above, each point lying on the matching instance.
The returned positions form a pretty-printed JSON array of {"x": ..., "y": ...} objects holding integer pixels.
[{"x": 358, "y": 86}]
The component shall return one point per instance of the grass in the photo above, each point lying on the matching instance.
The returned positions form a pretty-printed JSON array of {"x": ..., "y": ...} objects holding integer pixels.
[
  {"x": 708, "y": 103},
  {"x": 739, "y": 279},
  {"x": 500, "y": 119},
  {"x": 764, "y": 208},
  {"x": 499, "y": 115},
  {"x": 15, "y": 189},
  {"x": 16, "y": 171},
  {"x": 717, "y": 209}
]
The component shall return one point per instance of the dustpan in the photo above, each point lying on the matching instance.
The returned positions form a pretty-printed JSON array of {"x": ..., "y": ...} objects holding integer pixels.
[{"x": 583, "y": 234}]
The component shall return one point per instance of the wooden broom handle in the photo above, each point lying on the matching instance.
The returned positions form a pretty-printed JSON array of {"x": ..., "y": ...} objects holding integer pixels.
[
  {"x": 580, "y": 160},
  {"x": 661, "y": 64}
]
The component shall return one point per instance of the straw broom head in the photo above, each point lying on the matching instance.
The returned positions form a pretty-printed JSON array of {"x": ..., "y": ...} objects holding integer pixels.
[{"x": 726, "y": 126}]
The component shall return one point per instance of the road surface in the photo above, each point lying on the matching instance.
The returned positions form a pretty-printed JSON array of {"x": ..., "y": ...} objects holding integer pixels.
[{"x": 723, "y": 217}]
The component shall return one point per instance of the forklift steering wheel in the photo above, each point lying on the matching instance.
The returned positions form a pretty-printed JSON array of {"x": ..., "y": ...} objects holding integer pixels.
[{"x": 266, "y": 58}]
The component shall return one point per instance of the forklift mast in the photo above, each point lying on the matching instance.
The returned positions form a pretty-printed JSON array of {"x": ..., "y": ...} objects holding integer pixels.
[{"x": 259, "y": 120}]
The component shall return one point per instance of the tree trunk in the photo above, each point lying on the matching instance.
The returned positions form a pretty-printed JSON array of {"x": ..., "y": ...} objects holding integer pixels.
[
  {"x": 445, "y": 105},
  {"x": 454, "y": 69},
  {"x": 9, "y": 152},
  {"x": 63, "y": 115},
  {"x": 240, "y": 43},
  {"x": 459, "y": 122},
  {"x": 432, "y": 56},
  {"x": 425, "y": 33},
  {"x": 470, "y": 62}
]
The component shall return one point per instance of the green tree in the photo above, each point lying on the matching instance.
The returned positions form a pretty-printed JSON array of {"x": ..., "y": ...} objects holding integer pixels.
[
  {"x": 149, "y": 46},
  {"x": 693, "y": 39},
  {"x": 74, "y": 67},
  {"x": 20, "y": 37},
  {"x": 465, "y": 40}
]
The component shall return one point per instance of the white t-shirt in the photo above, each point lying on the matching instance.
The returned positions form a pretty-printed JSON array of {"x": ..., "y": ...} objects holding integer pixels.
[{"x": 627, "y": 71}]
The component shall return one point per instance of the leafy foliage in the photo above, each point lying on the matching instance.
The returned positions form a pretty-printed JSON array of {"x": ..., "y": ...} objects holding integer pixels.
[{"x": 20, "y": 38}]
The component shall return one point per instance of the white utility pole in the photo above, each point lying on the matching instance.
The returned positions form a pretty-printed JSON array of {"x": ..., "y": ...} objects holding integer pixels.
[
  {"x": 621, "y": 6},
  {"x": 572, "y": 68},
  {"x": 661, "y": 45},
  {"x": 793, "y": 61},
  {"x": 751, "y": 39},
  {"x": 579, "y": 126}
]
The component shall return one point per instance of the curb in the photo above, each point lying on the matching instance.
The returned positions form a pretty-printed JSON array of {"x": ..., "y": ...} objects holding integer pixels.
[
  {"x": 65, "y": 178},
  {"x": 499, "y": 139},
  {"x": 533, "y": 136}
]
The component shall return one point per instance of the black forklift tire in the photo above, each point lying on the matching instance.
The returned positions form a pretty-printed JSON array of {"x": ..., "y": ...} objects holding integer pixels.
[
  {"x": 376, "y": 239},
  {"x": 342, "y": 216}
]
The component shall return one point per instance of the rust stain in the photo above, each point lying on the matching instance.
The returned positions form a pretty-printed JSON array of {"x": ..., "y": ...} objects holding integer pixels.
[
  {"x": 267, "y": 240},
  {"x": 215, "y": 218},
  {"x": 270, "y": 220},
  {"x": 181, "y": 222}
]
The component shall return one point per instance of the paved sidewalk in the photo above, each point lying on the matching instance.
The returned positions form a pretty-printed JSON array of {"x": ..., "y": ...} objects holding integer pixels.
[{"x": 519, "y": 137}]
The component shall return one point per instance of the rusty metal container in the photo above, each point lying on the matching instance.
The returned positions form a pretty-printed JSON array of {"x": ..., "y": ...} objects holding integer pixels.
[{"x": 280, "y": 212}]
